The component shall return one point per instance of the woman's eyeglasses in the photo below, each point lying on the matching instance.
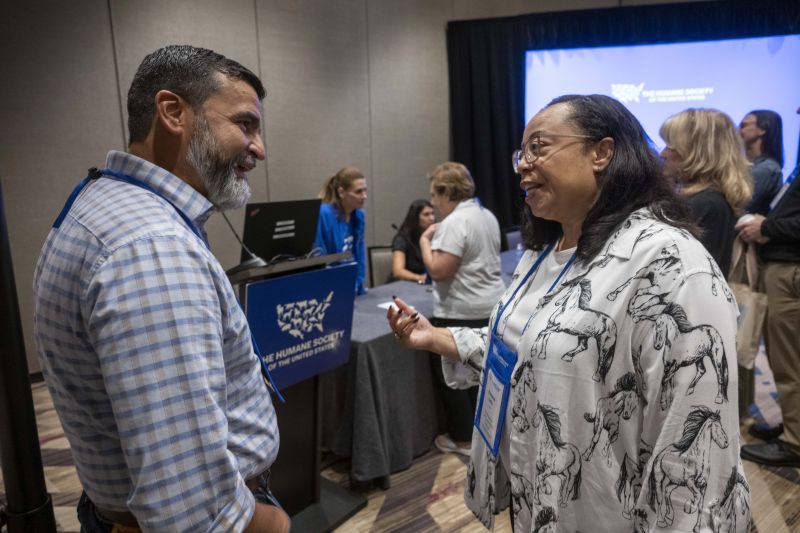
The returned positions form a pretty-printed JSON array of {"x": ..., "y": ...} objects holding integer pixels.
[{"x": 532, "y": 149}]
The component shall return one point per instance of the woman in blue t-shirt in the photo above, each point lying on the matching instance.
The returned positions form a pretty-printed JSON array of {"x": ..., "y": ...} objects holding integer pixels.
[{"x": 341, "y": 218}]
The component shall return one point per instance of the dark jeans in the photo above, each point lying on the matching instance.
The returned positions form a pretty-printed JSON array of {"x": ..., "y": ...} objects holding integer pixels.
[
  {"x": 89, "y": 519},
  {"x": 459, "y": 404},
  {"x": 92, "y": 522}
]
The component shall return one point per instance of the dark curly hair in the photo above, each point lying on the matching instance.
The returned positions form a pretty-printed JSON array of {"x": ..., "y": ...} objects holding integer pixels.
[{"x": 632, "y": 180}]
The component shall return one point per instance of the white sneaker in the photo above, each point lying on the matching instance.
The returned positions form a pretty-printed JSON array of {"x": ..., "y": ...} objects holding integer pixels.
[{"x": 445, "y": 444}]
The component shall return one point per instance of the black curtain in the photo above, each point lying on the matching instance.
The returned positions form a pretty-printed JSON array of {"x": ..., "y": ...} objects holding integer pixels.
[{"x": 486, "y": 63}]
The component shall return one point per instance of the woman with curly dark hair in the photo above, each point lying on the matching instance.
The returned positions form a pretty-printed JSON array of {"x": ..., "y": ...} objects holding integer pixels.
[{"x": 607, "y": 373}]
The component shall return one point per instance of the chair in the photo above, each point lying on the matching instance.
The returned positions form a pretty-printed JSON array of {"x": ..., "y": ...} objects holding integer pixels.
[
  {"x": 513, "y": 237},
  {"x": 380, "y": 265}
]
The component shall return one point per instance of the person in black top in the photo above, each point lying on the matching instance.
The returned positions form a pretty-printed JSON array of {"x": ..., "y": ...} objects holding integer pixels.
[
  {"x": 779, "y": 235},
  {"x": 762, "y": 133},
  {"x": 705, "y": 158},
  {"x": 406, "y": 257}
]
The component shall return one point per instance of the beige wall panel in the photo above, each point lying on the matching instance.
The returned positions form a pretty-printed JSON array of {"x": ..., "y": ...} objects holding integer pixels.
[
  {"x": 58, "y": 116},
  {"x": 409, "y": 102},
  {"x": 226, "y": 27},
  {"x": 314, "y": 65}
]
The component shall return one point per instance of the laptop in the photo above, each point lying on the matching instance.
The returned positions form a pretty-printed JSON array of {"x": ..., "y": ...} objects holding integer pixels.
[{"x": 276, "y": 231}]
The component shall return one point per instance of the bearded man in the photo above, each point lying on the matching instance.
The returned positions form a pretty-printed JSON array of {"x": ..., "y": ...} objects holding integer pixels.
[{"x": 142, "y": 342}]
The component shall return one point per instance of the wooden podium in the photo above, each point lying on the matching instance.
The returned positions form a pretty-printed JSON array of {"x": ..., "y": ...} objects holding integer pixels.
[{"x": 315, "y": 504}]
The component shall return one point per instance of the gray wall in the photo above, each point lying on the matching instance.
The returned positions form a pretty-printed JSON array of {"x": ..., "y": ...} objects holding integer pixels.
[{"x": 360, "y": 82}]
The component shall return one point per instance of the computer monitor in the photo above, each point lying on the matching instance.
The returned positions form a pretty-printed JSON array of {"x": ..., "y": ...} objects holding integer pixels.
[{"x": 275, "y": 231}]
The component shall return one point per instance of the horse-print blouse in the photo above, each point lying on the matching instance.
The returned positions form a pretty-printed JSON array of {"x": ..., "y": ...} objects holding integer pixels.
[{"x": 622, "y": 414}]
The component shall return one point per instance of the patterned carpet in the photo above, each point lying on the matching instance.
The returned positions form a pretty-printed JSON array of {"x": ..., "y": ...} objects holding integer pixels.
[
  {"x": 428, "y": 497},
  {"x": 765, "y": 408}
]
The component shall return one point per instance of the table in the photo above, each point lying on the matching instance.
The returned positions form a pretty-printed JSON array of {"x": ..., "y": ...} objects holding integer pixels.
[{"x": 381, "y": 408}]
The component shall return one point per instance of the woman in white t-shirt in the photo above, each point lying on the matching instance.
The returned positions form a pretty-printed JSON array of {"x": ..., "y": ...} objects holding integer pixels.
[{"x": 462, "y": 256}]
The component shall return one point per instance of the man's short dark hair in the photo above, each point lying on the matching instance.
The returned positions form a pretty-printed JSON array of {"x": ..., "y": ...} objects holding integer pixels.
[{"x": 187, "y": 71}]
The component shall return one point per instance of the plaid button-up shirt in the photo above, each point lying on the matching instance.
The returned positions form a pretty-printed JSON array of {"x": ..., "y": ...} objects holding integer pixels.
[{"x": 148, "y": 356}]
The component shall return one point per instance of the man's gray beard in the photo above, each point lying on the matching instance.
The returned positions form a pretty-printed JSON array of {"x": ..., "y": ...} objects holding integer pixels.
[{"x": 223, "y": 188}]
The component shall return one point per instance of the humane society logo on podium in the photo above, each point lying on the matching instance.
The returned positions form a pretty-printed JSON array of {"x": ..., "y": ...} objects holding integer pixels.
[
  {"x": 299, "y": 318},
  {"x": 302, "y": 322}
]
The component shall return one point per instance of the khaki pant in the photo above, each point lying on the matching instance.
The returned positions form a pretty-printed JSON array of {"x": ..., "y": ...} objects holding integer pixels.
[{"x": 782, "y": 338}]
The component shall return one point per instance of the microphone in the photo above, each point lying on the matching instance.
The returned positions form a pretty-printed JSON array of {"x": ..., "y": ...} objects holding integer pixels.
[{"x": 253, "y": 262}]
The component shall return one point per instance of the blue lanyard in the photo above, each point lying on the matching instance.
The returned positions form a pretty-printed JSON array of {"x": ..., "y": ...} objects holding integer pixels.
[
  {"x": 94, "y": 174},
  {"x": 531, "y": 271}
]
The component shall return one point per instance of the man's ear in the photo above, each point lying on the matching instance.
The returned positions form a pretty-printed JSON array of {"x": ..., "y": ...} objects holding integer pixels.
[
  {"x": 172, "y": 112},
  {"x": 603, "y": 153}
]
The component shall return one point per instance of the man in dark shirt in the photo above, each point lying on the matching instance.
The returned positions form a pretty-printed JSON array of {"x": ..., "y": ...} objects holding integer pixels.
[{"x": 779, "y": 235}]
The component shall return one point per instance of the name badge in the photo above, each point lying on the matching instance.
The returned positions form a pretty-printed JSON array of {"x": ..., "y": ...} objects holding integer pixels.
[
  {"x": 492, "y": 408},
  {"x": 493, "y": 401}
]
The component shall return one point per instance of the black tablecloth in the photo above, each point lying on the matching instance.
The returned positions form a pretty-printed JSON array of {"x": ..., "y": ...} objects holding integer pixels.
[{"x": 381, "y": 408}]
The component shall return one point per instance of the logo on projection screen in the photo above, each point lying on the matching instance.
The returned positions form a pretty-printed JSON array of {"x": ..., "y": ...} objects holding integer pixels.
[
  {"x": 626, "y": 92},
  {"x": 304, "y": 316}
]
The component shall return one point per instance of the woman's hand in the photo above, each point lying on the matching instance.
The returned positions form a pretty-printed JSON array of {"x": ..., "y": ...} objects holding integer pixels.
[
  {"x": 441, "y": 266},
  {"x": 428, "y": 233},
  {"x": 411, "y": 329}
]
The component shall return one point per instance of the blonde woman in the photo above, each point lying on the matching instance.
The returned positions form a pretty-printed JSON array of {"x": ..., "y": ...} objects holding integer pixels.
[
  {"x": 705, "y": 158},
  {"x": 341, "y": 218}
]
